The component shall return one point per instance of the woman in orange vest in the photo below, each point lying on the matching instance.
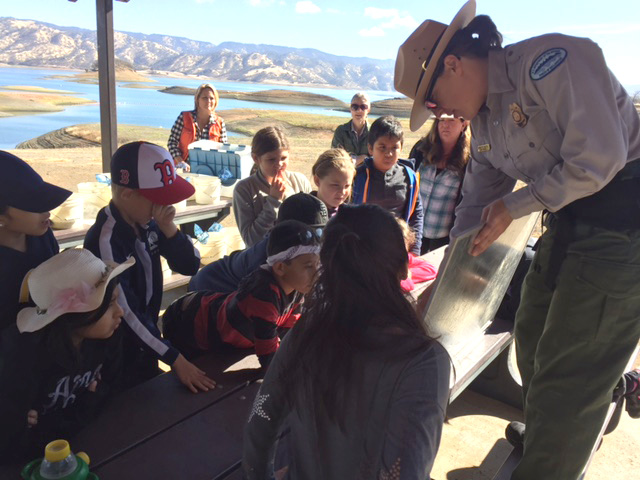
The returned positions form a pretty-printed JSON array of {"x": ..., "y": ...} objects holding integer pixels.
[{"x": 202, "y": 123}]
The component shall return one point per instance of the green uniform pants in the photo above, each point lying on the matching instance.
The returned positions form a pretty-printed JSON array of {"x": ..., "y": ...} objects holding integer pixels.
[{"x": 572, "y": 344}]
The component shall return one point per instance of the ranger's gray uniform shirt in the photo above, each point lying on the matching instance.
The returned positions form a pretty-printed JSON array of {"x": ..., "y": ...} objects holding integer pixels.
[{"x": 580, "y": 129}]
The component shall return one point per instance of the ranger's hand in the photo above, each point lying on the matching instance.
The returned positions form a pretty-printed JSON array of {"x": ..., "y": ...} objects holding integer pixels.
[{"x": 497, "y": 218}]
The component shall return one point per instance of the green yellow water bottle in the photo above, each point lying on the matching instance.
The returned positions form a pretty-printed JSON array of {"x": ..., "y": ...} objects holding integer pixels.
[{"x": 59, "y": 463}]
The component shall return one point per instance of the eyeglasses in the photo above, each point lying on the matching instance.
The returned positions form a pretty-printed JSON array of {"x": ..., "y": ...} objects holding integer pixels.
[
  {"x": 310, "y": 237},
  {"x": 429, "y": 102},
  {"x": 356, "y": 106}
]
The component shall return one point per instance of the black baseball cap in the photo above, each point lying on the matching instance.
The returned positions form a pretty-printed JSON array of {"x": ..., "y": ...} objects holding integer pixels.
[
  {"x": 149, "y": 169},
  {"x": 21, "y": 187},
  {"x": 305, "y": 208}
]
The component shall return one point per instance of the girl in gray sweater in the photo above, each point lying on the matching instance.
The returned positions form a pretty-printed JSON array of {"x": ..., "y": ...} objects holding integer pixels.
[{"x": 257, "y": 198}]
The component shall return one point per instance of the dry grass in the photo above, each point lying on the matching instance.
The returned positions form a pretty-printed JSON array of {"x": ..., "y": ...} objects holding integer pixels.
[
  {"x": 309, "y": 135},
  {"x": 29, "y": 88},
  {"x": 92, "y": 77},
  {"x": 139, "y": 85},
  {"x": 18, "y": 103}
]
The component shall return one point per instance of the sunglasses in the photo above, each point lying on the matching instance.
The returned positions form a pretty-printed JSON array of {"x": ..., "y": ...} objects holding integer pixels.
[
  {"x": 310, "y": 237},
  {"x": 355, "y": 107},
  {"x": 429, "y": 101}
]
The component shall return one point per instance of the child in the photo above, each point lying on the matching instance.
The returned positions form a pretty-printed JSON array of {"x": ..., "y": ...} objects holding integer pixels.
[
  {"x": 25, "y": 237},
  {"x": 224, "y": 275},
  {"x": 419, "y": 270},
  {"x": 138, "y": 222},
  {"x": 333, "y": 174},
  {"x": 386, "y": 181},
  {"x": 362, "y": 387},
  {"x": 263, "y": 308},
  {"x": 59, "y": 364},
  {"x": 256, "y": 199}
]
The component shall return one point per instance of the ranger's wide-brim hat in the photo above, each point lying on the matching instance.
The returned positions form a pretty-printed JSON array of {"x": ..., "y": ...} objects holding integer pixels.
[{"x": 419, "y": 56}]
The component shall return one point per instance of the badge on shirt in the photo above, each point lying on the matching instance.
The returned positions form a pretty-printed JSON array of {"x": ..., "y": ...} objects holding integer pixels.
[
  {"x": 547, "y": 62},
  {"x": 484, "y": 148},
  {"x": 518, "y": 115}
]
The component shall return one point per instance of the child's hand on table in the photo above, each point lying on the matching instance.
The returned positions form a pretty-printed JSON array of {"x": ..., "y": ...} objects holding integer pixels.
[
  {"x": 32, "y": 418},
  {"x": 191, "y": 376}
]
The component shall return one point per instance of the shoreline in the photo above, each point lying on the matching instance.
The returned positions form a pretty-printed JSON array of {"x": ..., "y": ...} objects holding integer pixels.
[{"x": 204, "y": 78}]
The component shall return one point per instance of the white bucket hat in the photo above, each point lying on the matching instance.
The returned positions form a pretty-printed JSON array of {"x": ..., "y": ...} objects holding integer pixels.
[
  {"x": 419, "y": 56},
  {"x": 71, "y": 282}
]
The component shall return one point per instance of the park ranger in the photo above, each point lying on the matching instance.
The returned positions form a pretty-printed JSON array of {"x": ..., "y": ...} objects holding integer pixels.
[{"x": 546, "y": 111}]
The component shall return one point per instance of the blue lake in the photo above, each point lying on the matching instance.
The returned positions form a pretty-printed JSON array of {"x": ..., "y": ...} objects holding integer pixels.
[{"x": 139, "y": 106}]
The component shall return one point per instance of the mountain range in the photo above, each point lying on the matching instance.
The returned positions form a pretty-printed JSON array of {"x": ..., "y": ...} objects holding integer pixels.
[{"x": 39, "y": 44}]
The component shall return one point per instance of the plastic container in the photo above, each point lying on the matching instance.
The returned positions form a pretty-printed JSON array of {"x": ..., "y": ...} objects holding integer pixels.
[
  {"x": 214, "y": 249},
  {"x": 211, "y": 158},
  {"x": 96, "y": 195},
  {"x": 233, "y": 239},
  {"x": 180, "y": 206},
  {"x": 59, "y": 463},
  {"x": 164, "y": 265},
  {"x": 207, "y": 189},
  {"x": 69, "y": 213}
]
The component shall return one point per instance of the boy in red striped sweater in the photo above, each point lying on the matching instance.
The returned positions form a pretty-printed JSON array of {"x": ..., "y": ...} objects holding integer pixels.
[{"x": 265, "y": 306}]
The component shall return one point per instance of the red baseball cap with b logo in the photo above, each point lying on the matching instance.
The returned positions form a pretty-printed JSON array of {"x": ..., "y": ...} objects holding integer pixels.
[{"x": 149, "y": 168}]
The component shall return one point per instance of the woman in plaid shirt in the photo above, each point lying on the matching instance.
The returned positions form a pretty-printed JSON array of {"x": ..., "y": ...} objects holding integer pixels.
[
  {"x": 441, "y": 157},
  {"x": 201, "y": 123}
]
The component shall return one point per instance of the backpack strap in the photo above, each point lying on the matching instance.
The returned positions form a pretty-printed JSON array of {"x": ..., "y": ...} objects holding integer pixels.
[
  {"x": 361, "y": 185},
  {"x": 414, "y": 191}
]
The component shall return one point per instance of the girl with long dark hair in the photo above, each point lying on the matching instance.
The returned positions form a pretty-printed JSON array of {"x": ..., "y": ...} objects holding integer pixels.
[{"x": 365, "y": 386}]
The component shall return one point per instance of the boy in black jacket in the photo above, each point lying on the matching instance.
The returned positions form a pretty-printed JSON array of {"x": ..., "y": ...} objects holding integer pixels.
[{"x": 138, "y": 222}]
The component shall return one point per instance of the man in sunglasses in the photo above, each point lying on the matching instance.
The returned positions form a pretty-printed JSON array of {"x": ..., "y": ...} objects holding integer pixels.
[{"x": 352, "y": 136}]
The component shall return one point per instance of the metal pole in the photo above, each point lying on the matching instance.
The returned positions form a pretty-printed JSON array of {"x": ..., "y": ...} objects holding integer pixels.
[{"x": 107, "y": 81}]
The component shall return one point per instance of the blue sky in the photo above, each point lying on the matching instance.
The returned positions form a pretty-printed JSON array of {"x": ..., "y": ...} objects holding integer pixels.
[{"x": 368, "y": 28}]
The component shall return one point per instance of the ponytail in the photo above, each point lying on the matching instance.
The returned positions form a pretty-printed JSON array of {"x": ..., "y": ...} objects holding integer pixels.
[
  {"x": 358, "y": 288},
  {"x": 476, "y": 39}
]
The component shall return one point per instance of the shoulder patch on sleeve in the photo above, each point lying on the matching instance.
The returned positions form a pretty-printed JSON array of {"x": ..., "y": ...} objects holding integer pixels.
[{"x": 547, "y": 62}]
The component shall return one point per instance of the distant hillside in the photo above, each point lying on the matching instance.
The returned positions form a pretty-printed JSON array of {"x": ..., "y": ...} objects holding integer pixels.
[{"x": 33, "y": 43}]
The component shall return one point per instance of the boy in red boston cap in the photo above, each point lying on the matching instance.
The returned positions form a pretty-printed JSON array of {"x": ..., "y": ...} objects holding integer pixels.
[{"x": 138, "y": 222}]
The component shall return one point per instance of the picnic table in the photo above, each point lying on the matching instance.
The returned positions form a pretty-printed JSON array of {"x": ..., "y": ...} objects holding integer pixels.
[
  {"x": 161, "y": 430},
  {"x": 185, "y": 217}
]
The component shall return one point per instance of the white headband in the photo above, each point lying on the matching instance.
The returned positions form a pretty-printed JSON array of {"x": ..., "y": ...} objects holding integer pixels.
[{"x": 292, "y": 252}]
